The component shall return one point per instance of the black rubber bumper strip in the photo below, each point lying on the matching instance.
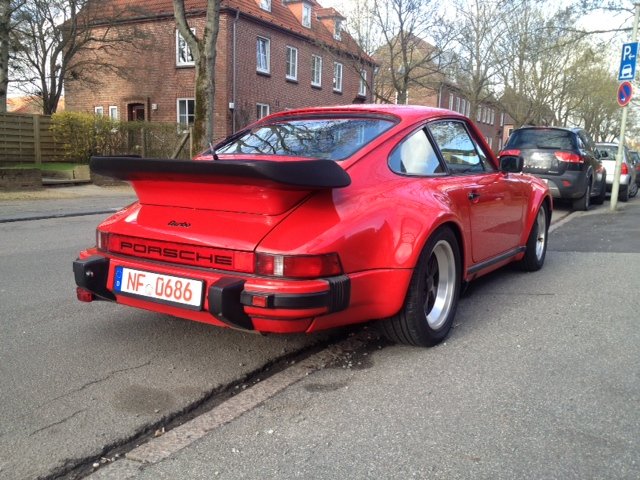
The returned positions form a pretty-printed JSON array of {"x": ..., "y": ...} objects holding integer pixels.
[
  {"x": 224, "y": 303},
  {"x": 91, "y": 274}
]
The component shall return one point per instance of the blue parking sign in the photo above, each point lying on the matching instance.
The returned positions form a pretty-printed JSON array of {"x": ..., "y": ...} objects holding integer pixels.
[{"x": 628, "y": 62}]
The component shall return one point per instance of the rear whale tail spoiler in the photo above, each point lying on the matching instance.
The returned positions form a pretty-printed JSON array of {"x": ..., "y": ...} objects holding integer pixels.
[{"x": 307, "y": 174}]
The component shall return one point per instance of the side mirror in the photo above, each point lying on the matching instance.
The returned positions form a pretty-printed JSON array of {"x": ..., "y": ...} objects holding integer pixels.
[{"x": 511, "y": 164}]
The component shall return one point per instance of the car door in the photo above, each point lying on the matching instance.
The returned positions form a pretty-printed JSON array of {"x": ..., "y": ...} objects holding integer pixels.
[{"x": 496, "y": 201}]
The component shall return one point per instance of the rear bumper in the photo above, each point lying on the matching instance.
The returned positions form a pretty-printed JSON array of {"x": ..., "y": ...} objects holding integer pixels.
[
  {"x": 249, "y": 302},
  {"x": 569, "y": 185}
]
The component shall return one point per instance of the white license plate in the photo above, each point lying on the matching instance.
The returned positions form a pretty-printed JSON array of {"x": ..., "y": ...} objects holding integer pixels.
[{"x": 157, "y": 287}]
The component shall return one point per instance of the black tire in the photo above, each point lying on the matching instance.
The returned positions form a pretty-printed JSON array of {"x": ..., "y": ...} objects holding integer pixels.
[
  {"x": 602, "y": 195},
  {"x": 634, "y": 190},
  {"x": 623, "y": 194},
  {"x": 536, "y": 250},
  {"x": 432, "y": 298},
  {"x": 584, "y": 202}
]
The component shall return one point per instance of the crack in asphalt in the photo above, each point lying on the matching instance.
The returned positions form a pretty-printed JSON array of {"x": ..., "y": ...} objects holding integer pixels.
[{"x": 66, "y": 419}]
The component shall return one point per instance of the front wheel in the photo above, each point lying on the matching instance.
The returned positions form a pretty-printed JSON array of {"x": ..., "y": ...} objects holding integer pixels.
[
  {"x": 432, "y": 297},
  {"x": 536, "y": 249},
  {"x": 623, "y": 194},
  {"x": 599, "y": 200}
]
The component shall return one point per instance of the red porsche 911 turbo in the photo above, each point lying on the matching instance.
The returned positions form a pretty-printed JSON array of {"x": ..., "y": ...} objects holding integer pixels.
[{"x": 318, "y": 218}]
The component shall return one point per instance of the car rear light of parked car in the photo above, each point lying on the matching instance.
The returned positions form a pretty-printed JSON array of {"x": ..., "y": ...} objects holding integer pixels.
[
  {"x": 624, "y": 170},
  {"x": 569, "y": 157},
  {"x": 298, "y": 266},
  {"x": 512, "y": 152}
]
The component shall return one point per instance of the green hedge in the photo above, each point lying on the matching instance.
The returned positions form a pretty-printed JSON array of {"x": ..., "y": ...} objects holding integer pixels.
[{"x": 83, "y": 135}]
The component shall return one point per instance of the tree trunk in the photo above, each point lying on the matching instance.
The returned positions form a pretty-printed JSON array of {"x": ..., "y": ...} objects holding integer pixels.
[{"x": 5, "y": 18}]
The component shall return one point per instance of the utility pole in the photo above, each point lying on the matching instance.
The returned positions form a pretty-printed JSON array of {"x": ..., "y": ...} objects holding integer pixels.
[{"x": 615, "y": 187}]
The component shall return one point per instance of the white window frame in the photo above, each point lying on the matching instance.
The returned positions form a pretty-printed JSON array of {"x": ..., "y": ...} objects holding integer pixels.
[
  {"x": 186, "y": 100},
  {"x": 306, "y": 15},
  {"x": 493, "y": 116},
  {"x": 362, "y": 90},
  {"x": 179, "y": 41},
  {"x": 113, "y": 112},
  {"x": 267, "y": 55},
  {"x": 99, "y": 111},
  {"x": 262, "y": 110},
  {"x": 265, "y": 5},
  {"x": 451, "y": 101},
  {"x": 316, "y": 70},
  {"x": 502, "y": 119},
  {"x": 337, "y": 77},
  {"x": 479, "y": 113},
  {"x": 463, "y": 105},
  {"x": 291, "y": 64}
]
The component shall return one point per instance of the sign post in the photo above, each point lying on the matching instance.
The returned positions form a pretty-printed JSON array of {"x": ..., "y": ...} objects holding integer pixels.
[{"x": 626, "y": 73}]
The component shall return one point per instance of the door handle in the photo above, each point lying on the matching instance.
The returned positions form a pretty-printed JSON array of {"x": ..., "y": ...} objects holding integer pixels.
[{"x": 473, "y": 196}]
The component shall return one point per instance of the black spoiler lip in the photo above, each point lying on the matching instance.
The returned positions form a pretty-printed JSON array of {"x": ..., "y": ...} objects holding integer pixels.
[{"x": 315, "y": 174}]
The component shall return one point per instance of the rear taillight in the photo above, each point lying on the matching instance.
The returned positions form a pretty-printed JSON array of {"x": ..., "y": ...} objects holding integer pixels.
[
  {"x": 102, "y": 241},
  {"x": 298, "y": 266},
  {"x": 514, "y": 152},
  {"x": 624, "y": 170},
  {"x": 569, "y": 157}
]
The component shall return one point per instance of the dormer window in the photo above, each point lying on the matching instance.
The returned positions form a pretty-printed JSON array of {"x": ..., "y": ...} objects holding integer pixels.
[
  {"x": 265, "y": 5},
  {"x": 337, "y": 29},
  {"x": 306, "y": 15}
]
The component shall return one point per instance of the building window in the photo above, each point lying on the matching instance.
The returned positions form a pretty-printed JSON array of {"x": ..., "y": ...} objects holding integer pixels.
[
  {"x": 316, "y": 70},
  {"x": 262, "y": 53},
  {"x": 451, "y": 101},
  {"x": 457, "y": 104},
  {"x": 265, "y": 5},
  {"x": 113, "y": 112},
  {"x": 362, "y": 91},
  {"x": 468, "y": 112},
  {"x": 502, "y": 119},
  {"x": 262, "y": 110},
  {"x": 337, "y": 77},
  {"x": 493, "y": 116},
  {"x": 337, "y": 29},
  {"x": 463, "y": 106},
  {"x": 184, "y": 57},
  {"x": 479, "y": 114},
  {"x": 292, "y": 63},
  {"x": 186, "y": 112},
  {"x": 306, "y": 15},
  {"x": 99, "y": 111}
]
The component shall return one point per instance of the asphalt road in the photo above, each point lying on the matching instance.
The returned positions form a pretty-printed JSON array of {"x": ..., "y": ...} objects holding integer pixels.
[{"x": 539, "y": 375}]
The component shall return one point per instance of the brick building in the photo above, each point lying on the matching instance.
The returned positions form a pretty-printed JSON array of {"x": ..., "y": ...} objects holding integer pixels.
[{"x": 272, "y": 55}]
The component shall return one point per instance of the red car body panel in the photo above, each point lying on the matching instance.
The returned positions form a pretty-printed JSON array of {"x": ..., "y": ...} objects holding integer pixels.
[{"x": 212, "y": 227}]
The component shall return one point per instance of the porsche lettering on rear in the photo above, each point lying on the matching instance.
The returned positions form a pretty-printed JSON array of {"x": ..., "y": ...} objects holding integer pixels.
[{"x": 313, "y": 219}]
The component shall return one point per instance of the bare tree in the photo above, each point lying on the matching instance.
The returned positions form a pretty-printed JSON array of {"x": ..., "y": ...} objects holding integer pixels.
[
  {"x": 476, "y": 59},
  {"x": 414, "y": 34},
  {"x": 7, "y": 25},
  {"x": 204, "y": 54},
  {"x": 56, "y": 40}
]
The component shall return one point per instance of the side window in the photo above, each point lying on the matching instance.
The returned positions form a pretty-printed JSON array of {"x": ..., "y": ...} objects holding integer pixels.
[
  {"x": 415, "y": 156},
  {"x": 457, "y": 147}
]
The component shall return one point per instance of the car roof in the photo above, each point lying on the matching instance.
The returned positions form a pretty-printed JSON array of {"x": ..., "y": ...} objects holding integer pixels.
[{"x": 541, "y": 127}]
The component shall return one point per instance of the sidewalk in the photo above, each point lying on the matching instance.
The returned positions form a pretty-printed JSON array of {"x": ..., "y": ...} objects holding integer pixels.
[{"x": 57, "y": 202}]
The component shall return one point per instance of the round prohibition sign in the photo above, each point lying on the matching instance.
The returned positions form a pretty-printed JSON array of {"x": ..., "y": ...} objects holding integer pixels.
[{"x": 625, "y": 92}]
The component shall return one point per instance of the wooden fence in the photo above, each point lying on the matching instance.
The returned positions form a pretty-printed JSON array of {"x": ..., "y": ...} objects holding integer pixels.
[{"x": 28, "y": 139}]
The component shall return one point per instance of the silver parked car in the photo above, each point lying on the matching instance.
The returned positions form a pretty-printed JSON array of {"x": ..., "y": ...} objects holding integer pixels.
[{"x": 628, "y": 185}]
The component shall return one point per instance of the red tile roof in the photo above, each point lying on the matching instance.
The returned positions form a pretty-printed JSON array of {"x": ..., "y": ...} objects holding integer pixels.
[{"x": 280, "y": 16}]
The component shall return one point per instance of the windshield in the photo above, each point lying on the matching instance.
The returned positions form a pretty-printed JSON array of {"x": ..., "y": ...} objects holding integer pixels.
[
  {"x": 321, "y": 138},
  {"x": 541, "y": 138}
]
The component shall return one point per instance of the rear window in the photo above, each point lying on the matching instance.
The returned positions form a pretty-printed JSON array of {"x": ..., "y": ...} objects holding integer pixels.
[
  {"x": 608, "y": 152},
  {"x": 541, "y": 139},
  {"x": 320, "y": 138}
]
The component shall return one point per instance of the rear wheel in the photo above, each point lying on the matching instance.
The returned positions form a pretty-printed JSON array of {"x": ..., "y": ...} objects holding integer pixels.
[
  {"x": 623, "y": 195},
  {"x": 432, "y": 297},
  {"x": 599, "y": 200},
  {"x": 584, "y": 202},
  {"x": 633, "y": 189},
  {"x": 537, "y": 243}
]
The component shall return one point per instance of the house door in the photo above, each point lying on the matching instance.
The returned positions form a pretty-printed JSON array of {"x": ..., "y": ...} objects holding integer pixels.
[{"x": 136, "y": 112}]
